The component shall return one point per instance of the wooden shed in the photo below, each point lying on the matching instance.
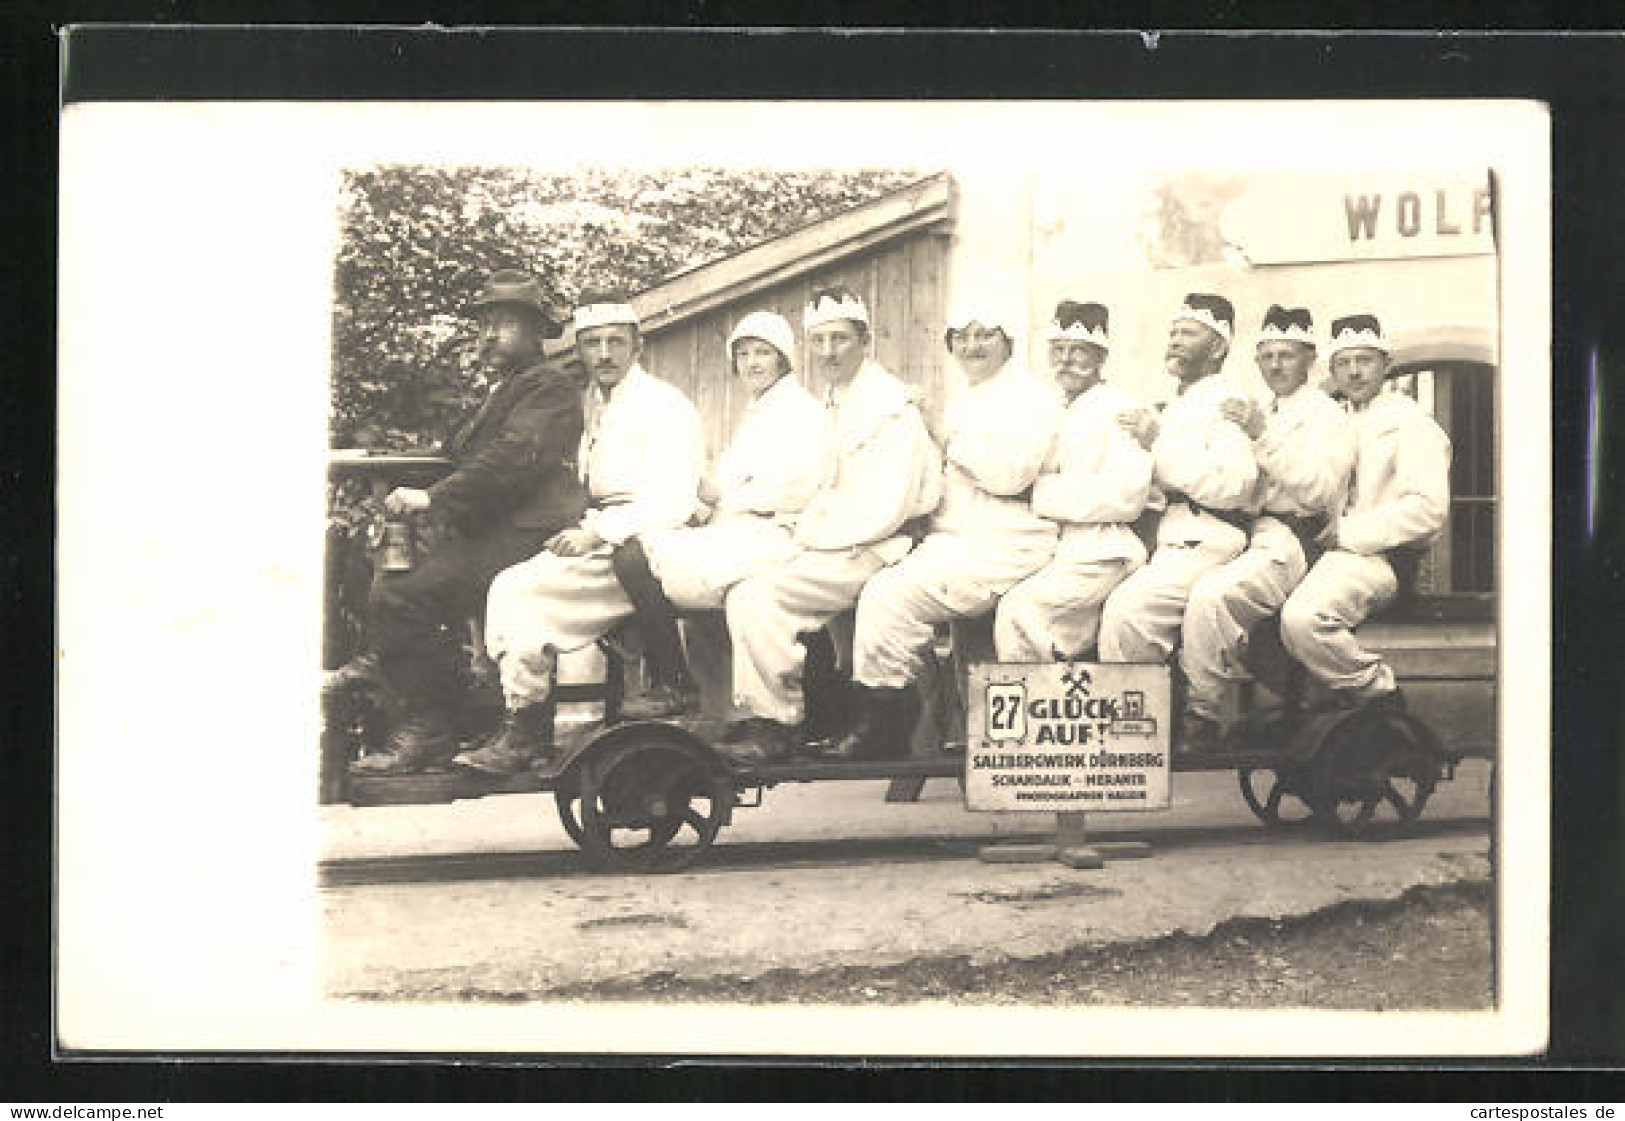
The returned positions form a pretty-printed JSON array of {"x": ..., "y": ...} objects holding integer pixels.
[{"x": 893, "y": 251}]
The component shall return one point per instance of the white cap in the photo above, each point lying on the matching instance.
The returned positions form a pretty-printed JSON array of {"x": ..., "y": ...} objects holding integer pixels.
[
  {"x": 604, "y": 315},
  {"x": 827, "y": 310},
  {"x": 990, "y": 308},
  {"x": 771, "y": 328},
  {"x": 1353, "y": 331}
]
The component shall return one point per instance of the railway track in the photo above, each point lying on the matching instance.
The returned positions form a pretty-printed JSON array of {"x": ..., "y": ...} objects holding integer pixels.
[{"x": 724, "y": 858}]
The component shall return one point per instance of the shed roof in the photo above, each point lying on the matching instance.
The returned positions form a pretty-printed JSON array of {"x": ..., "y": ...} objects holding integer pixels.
[{"x": 927, "y": 204}]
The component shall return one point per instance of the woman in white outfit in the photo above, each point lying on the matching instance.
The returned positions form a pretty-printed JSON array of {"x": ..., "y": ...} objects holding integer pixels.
[{"x": 780, "y": 455}]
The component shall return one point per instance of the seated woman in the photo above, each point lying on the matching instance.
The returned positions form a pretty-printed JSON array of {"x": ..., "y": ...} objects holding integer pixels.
[{"x": 779, "y": 457}]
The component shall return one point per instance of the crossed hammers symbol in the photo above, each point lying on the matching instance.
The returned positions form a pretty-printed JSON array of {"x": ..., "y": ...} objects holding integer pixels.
[{"x": 1077, "y": 680}]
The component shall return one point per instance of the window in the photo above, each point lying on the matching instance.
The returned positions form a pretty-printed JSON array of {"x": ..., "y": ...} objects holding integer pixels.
[{"x": 1461, "y": 396}]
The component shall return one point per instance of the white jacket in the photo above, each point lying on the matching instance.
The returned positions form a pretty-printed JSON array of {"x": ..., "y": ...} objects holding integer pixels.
[
  {"x": 1401, "y": 490},
  {"x": 1305, "y": 454},
  {"x": 1206, "y": 457},
  {"x": 782, "y": 452},
  {"x": 642, "y": 452},
  {"x": 887, "y": 470},
  {"x": 1096, "y": 478},
  {"x": 997, "y": 436}
]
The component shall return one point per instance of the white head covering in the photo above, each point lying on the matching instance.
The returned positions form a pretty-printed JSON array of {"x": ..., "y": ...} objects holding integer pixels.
[
  {"x": 604, "y": 315},
  {"x": 991, "y": 307},
  {"x": 1353, "y": 331},
  {"x": 769, "y": 326},
  {"x": 827, "y": 310}
]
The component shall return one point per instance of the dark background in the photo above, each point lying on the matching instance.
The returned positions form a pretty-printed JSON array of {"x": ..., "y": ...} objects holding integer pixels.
[{"x": 1579, "y": 76}]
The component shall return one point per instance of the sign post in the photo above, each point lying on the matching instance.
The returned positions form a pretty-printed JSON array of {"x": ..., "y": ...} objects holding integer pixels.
[{"x": 1070, "y": 738}]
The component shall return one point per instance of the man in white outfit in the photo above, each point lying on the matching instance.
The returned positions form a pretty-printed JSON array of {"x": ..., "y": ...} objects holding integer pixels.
[
  {"x": 984, "y": 538},
  {"x": 780, "y": 454},
  {"x": 886, "y": 473},
  {"x": 1205, "y": 467},
  {"x": 641, "y": 455},
  {"x": 1094, "y": 484},
  {"x": 1398, "y": 503},
  {"x": 1304, "y": 446}
]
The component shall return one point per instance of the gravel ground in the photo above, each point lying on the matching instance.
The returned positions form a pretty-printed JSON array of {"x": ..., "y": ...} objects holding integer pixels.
[{"x": 1429, "y": 949}]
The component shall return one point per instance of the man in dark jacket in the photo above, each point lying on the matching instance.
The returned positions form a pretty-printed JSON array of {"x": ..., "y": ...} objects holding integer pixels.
[{"x": 514, "y": 485}]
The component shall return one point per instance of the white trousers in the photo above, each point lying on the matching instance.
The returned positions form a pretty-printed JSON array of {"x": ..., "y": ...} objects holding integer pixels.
[
  {"x": 564, "y": 602},
  {"x": 767, "y": 612},
  {"x": 1318, "y": 621},
  {"x": 697, "y": 565},
  {"x": 1229, "y": 600},
  {"x": 1142, "y": 618},
  {"x": 1056, "y": 611},
  {"x": 948, "y": 576}
]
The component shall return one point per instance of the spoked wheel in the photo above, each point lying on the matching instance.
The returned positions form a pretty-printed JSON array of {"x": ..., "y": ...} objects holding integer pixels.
[
  {"x": 1274, "y": 796},
  {"x": 1375, "y": 773},
  {"x": 650, "y": 805}
]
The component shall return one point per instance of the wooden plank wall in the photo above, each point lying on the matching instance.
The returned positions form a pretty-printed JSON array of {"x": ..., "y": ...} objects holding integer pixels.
[{"x": 902, "y": 283}]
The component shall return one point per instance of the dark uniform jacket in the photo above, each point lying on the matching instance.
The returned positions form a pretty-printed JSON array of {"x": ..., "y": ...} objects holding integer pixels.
[{"x": 515, "y": 457}]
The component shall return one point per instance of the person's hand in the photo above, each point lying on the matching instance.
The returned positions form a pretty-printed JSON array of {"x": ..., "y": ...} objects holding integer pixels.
[
  {"x": 709, "y": 493},
  {"x": 1245, "y": 415},
  {"x": 576, "y": 542},
  {"x": 406, "y": 500},
  {"x": 1141, "y": 424}
]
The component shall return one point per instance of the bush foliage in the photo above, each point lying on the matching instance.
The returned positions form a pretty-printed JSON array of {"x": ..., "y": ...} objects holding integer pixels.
[{"x": 415, "y": 242}]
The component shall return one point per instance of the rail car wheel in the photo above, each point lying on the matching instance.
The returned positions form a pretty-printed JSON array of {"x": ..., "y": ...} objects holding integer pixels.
[
  {"x": 568, "y": 801},
  {"x": 1275, "y": 796},
  {"x": 650, "y": 805},
  {"x": 1375, "y": 772}
]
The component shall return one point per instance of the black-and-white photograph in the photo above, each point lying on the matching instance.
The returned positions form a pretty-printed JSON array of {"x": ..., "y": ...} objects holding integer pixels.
[{"x": 880, "y": 578}]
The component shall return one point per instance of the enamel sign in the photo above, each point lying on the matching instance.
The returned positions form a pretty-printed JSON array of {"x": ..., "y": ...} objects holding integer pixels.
[{"x": 1068, "y": 736}]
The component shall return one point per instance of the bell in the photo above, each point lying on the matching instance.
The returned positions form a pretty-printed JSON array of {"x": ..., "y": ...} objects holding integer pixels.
[{"x": 398, "y": 553}]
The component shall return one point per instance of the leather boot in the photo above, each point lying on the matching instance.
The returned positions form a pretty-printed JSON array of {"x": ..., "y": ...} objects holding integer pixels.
[
  {"x": 671, "y": 693},
  {"x": 759, "y": 740},
  {"x": 662, "y": 702},
  {"x": 526, "y": 737},
  {"x": 883, "y": 730},
  {"x": 1199, "y": 737},
  {"x": 359, "y": 672},
  {"x": 420, "y": 739}
]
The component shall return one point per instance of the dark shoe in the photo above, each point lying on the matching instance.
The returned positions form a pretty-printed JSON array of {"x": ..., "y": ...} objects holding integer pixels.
[
  {"x": 761, "y": 741},
  {"x": 526, "y": 737},
  {"x": 359, "y": 672},
  {"x": 734, "y": 731},
  {"x": 1201, "y": 737},
  {"x": 662, "y": 702},
  {"x": 419, "y": 741},
  {"x": 883, "y": 730},
  {"x": 1391, "y": 701},
  {"x": 1351, "y": 699}
]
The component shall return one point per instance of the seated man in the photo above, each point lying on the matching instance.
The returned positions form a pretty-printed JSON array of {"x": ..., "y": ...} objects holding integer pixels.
[
  {"x": 1305, "y": 451},
  {"x": 512, "y": 487},
  {"x": 983, "y": 538},
  {"x": 780, "y": 455},
  {"x": 886, "y": 471},
  {"x": 1204, "y": 465},
  {"x": 641, "y": 455},
  {"x": 1397, "y": 504},
  {"x": 1094, "y": 484}
]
